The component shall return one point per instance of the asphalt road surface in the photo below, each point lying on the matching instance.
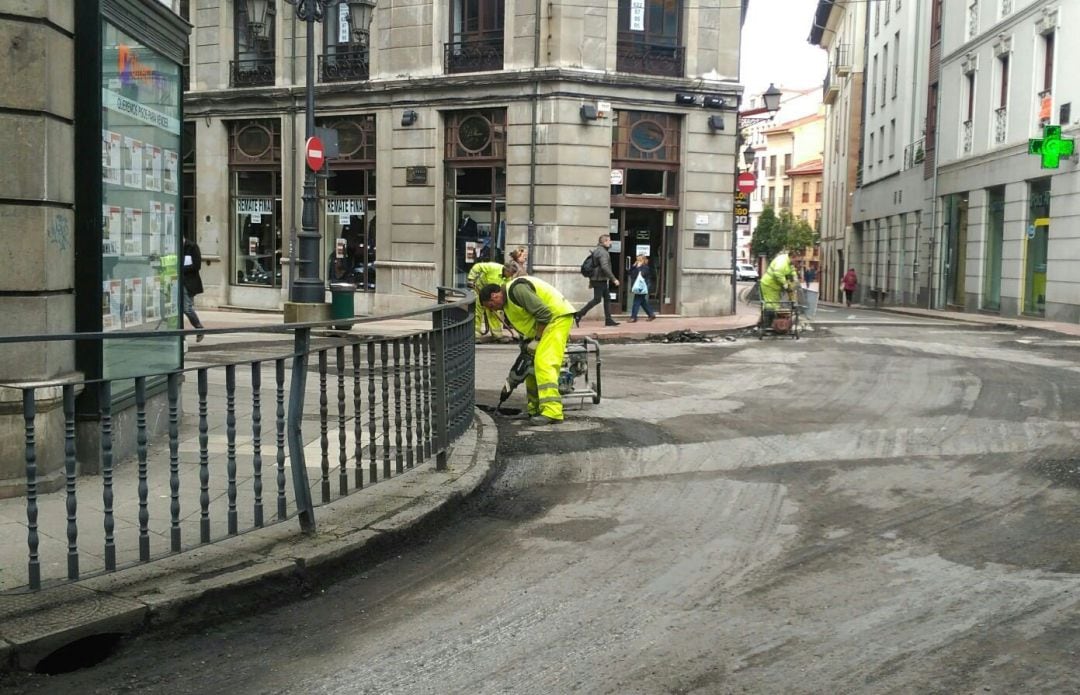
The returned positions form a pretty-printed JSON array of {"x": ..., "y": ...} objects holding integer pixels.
[{"x": 884, "y": 506}]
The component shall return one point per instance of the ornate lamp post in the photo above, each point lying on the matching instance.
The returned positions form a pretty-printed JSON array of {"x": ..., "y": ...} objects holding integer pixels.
[{"x": 308, "y": 287}]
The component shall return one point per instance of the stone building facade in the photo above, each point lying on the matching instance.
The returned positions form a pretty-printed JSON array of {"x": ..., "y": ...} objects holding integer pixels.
[{"x": 465, "y": 129}]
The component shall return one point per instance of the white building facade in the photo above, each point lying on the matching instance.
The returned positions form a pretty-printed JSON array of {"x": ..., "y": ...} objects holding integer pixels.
[
  {"x": 1008, "y": 238},
  {"x": 839, "y": 28}
]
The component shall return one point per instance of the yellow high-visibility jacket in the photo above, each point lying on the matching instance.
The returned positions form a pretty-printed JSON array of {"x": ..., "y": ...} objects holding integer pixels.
[
  {"x": 523, "y": 321},
  {"x": 485, "y": 273}
]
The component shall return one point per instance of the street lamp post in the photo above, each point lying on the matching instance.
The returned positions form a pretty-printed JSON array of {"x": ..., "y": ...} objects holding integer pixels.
[
  {"x": 771, "y": 98},
  {"x": 307, "y": 287}
]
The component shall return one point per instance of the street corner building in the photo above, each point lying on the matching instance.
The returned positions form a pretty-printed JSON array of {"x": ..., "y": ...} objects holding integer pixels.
[{"x": 458, "y": 130}]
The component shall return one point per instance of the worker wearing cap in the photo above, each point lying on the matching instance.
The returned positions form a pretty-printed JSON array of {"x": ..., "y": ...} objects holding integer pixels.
[
  {"x": 779, "y": 278},
  {"x": 481, "y": 275},
  {"x": 544, "y": 317}
]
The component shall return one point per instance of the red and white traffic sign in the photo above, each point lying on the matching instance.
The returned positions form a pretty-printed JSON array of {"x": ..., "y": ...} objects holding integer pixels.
[
  {"x": 746, "y": 182},
  {"x": 314, "y": 153}
]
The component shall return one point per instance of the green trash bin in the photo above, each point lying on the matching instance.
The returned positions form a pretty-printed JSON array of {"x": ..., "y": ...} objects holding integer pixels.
[{"x": 342, "y": 295}]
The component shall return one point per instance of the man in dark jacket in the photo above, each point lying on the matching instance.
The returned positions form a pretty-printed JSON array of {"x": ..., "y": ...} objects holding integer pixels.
[
  {"x": 192, "y": 283},
  {"x": 601, "y": 276}
]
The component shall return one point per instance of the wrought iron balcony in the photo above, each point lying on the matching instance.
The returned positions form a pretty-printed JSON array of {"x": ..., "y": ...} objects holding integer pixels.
[
  {"x": 474, "y": 54},
  {"x": 830, "y": 88},
  {"x": 914, "y": 153},
  {"x": 968, "y": 127},
  {"x": 842, "y": 60},
  {"x": 349, "y": 66},
  {"x": 1001, "y": 122},
  {"x": 253, "y": 72},
  {"x": 649, "y": 58}
]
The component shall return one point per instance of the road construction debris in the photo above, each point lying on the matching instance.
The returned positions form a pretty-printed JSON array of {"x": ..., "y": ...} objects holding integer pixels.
[{"x": 682, "y": 336}]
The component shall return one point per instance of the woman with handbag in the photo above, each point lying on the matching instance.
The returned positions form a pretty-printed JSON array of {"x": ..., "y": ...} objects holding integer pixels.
[{"x": 641, "y": 278}]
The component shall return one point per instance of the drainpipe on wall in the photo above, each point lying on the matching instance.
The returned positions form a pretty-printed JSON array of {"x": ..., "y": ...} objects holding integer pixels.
[
  {"x": 531, "y": 241},
  {"x": 937, "y": 154},
  {"x": 292, "y": 150}
]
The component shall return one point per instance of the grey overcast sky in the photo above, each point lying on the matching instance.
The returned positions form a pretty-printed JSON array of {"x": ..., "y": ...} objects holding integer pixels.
[{"x": 774, "y": 47}]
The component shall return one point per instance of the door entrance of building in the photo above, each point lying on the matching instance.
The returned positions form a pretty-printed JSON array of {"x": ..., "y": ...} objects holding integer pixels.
[{"x": 648, "y": 232}]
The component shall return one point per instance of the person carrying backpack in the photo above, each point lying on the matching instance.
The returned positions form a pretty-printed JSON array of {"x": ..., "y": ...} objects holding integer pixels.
[{"x": 600, "y": 276}]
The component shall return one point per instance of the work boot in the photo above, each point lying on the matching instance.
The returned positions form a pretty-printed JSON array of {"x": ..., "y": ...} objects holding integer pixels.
[{"x": 542, "y": 421}]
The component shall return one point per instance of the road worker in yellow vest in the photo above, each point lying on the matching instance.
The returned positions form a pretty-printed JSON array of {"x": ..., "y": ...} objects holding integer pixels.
[
  {"x": 543, "y": 317},
  {"x": 480, "y": 276},
  {"x": 780, "y": 279}
]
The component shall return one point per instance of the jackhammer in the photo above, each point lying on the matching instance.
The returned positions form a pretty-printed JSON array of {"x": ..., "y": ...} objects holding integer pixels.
[{"x": 522, "y": 368}]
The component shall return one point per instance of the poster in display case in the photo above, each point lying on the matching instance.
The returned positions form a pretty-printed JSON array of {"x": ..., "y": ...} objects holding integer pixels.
[{"x": 140, "y": 188}]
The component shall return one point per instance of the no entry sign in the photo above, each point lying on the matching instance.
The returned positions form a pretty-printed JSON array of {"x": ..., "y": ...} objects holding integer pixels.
[
  {"x": 314, "y": 154},
  {"x": 746, "y": 183}
]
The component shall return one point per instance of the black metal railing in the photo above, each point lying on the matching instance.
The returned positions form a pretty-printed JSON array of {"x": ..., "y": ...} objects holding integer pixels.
[
  {"x": 221, "y": 466},
  {"x": 474, "y": 54},
  {"x": 649, "y": 58},
  {"x": 344, "y": 67},
  {"x": 253, "y": 72}
]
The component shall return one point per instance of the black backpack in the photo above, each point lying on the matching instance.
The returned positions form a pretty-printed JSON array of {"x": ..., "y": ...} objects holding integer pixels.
[{"x": 588, "y": 266}]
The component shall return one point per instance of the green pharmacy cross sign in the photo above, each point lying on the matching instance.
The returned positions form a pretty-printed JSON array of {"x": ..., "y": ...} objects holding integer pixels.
[{"x": 1051, "y": 147}]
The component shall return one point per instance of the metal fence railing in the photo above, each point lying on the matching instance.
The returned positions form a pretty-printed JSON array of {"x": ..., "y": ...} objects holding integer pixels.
[{"x": 255, "y": 439}]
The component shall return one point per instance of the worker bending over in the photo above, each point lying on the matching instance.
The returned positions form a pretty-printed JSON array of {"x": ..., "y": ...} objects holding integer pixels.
[
  {"x": 480, "y": 276},
  {"x": 542, "y": 316},
  {"x": 780, "y": 279}
]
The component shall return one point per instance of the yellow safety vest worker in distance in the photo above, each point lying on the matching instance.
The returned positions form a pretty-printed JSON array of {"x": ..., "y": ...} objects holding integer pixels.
[
  {"x": 485, "y": 273},
  {"x": 524, "y": 322}
]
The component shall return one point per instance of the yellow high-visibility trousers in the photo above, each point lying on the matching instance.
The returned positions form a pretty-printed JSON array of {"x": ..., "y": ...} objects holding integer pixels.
[
  {"x": 542, "y": 386},
  {"x": 493, "y": 321},
  {"x": 770, "y": 295}
]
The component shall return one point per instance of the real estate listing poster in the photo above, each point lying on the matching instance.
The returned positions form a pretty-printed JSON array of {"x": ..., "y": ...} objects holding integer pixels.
[
  {"x": 172, "y": 171},
  {"x": 133, "y": 163},
  {"x": 116, "y": 303},
  {"x": 170, "y": 293},
  {"x": 152, "y": 302},
  {"x": 152, "y": 168},
  {"x": 112, "y": 230},
  {"x": 133, "y": 302},
  {"x": 133, "y": 232},
  {"x": 112, "y": 168},
  {"x": 168, "y": 244},
  {"x": 153, "y": 247},
  {"x": 110, "y": 305}
]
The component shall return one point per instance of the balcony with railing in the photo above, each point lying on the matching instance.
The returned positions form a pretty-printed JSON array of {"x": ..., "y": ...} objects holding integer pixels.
[
  {"x": 830, "y": 88},
  {"x": 251, "y": 72},
  {"x": 349, "y": 66},
  {"x": 474, "y": 53},
  {"x": 1001, "y": 122},
  {"x": 914, "y": 153},
  {"x": 649, "y": 58},
  {"x": 842, "y": 59},
  {"x": 966, "y": 136}
]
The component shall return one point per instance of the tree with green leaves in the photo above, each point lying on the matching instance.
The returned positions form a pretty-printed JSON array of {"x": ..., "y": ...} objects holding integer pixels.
[{"x": 774, "y": 233}]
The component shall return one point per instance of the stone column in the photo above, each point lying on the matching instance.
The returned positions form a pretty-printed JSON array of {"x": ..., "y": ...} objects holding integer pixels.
[{"x": 37, "y": 224}]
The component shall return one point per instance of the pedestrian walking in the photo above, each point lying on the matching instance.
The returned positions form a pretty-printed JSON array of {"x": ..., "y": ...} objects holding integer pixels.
[
  {"x": 519, "y": 260},
  {"x": 849, "y": 282},
  {"x": 192, "y": 283},
  {"x": 641, "y": 279},
  {"x": 543, "y": 317},
  {"x": 599, "y": 280}
]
